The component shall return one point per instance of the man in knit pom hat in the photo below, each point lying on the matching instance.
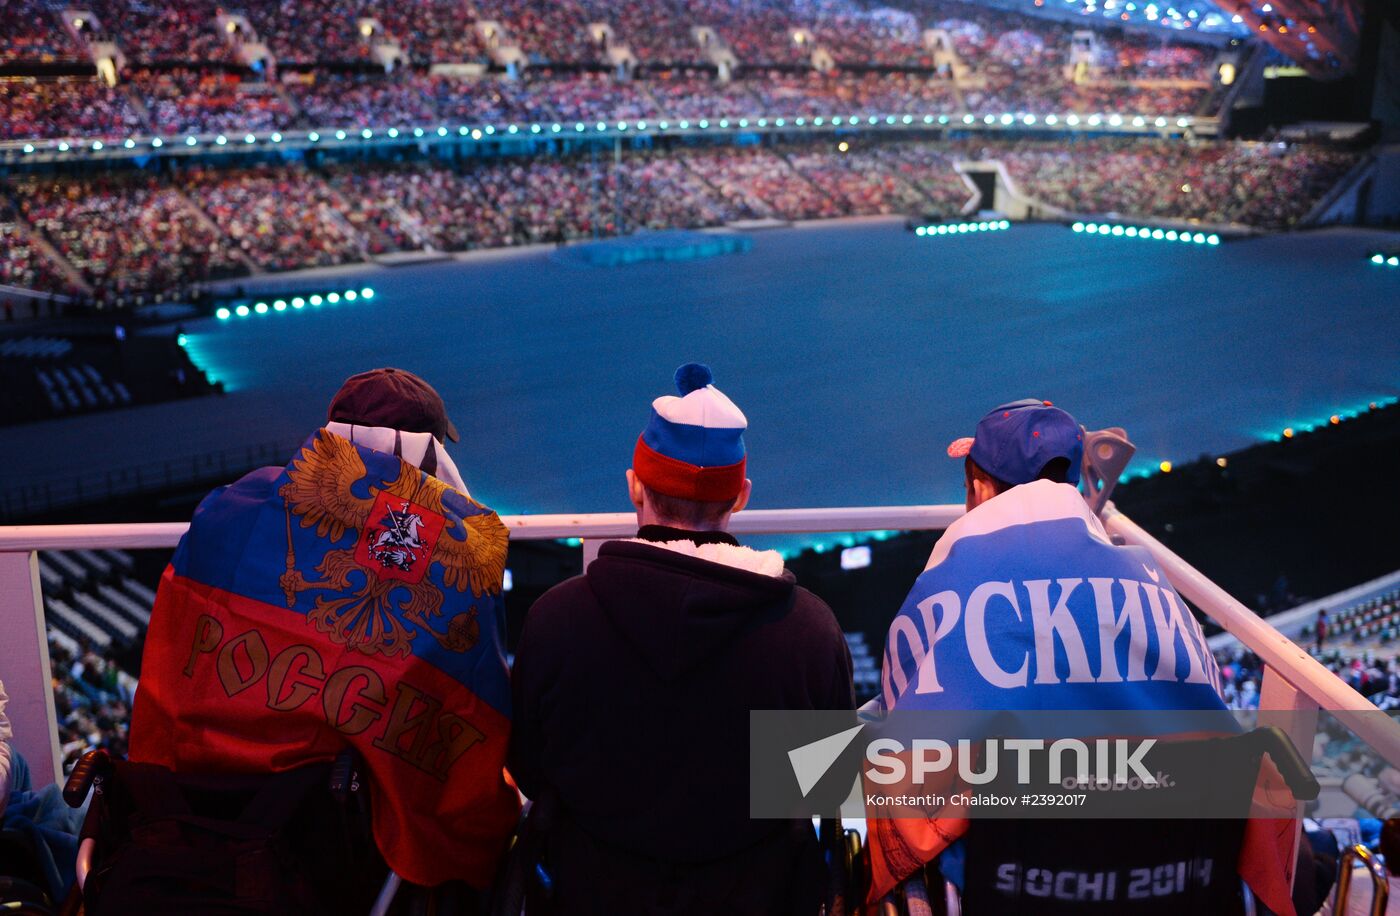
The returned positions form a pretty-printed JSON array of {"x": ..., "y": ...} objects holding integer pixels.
[{"x": 633, "y": 684}]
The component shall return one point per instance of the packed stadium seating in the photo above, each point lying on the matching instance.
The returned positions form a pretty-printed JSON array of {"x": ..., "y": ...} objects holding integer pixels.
[
  {"x": 127, "y": 234},
  {"x": 1255, "y": 184},
  {"x": 135, "y": 233},
  {"x": 186, "y": 67}
]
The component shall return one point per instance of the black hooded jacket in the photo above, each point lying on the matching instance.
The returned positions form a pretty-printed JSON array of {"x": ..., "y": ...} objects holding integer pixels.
[{"x": 631, "y": 693}]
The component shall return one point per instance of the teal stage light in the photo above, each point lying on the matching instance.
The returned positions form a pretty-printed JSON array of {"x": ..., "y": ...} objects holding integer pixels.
[{"x": 222, "y": 313}]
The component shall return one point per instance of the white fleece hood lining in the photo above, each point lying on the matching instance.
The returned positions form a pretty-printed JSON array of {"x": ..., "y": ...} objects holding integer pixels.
[{"x": 763, "y": 562}]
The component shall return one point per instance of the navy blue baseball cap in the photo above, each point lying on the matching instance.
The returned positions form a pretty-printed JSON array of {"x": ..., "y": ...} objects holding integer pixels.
[{"x": 1015, "y": 441}]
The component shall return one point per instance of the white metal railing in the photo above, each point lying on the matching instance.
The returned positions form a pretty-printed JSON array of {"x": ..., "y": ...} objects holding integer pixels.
[{"x": 1294, "y": 683}]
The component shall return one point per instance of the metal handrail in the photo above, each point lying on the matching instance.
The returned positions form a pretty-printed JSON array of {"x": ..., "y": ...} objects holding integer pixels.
[{"x": 1289, "y": 660}]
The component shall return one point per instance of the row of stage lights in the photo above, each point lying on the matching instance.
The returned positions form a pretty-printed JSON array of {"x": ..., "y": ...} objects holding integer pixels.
[
  {"x": 1386, "y": 260},
  {"x": 1147, "y": 232},
  {"x": 1007, "y": 119},
  {"x": 224, "y": 313},
  {"x": 991, "y": 225}
]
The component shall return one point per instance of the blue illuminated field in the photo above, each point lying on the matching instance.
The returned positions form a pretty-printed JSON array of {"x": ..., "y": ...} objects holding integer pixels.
[{"x": 858, "y": 351}]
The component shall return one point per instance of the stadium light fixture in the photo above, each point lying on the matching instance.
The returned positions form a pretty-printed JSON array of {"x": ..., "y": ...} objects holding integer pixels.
[
  {"x": 601, "y": 127},
  {"x": 333, "y": 298},
  {"x": 191, "y": 140},
  {"x": 260, "y": 308},
  {"x": 221, "y": 140},
  {"x": 276, "y": 137},
  {"x": 351, "y": 295},
  {"x": 685, "y": 125},
  {"x": 907, "y": 119},
  {"x": 313, "y": 136},
  {"x": 703, "y": 124},
  {"x": 476, "y": 134},
  {"x": 800, "y": 121},
  {"x": 280, "y": 305},
  {"x": 242, "y": 311},
  {"x": 724, "y": 122},
  {"x": 315, "y": 300},
  {"x": 1072, "y": 120},
  {"x": 222, "y": 313},
  {"x": 29, "y": 147},
  {"x": 97, "y": 144},
  {"x": 393, "y": 133},
  {"x": 762, "y": 122},
  {"x": 1051, "y": 120},
  {"x": 534, "y": 128},
  {"x": 512, "y": 129},
  {"x": 298, "y": 302},
  {"x": 249, "y": 138},
  {"x": 366, "y": 133},
  {"x": 367, "y": 292},
  {"x": 817, "y": 121},
  {"x": 779, "y": 122},
  {"x": 340, "y": 135},
  {"x": 836, "y": 120},
  {"x": 130, "y": 143},
  {"x": 556, "y": 128}
]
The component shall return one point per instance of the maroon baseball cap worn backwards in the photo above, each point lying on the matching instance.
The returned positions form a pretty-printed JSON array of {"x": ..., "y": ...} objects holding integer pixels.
[{"x": 393, "y": 398}]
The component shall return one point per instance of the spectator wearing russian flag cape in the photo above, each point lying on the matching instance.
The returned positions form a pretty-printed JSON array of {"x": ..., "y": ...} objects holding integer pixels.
[
  {"x": 350, "y": 599},
  {"x": 633, "y": 684},
  {"x": 1027, "y": 604}
]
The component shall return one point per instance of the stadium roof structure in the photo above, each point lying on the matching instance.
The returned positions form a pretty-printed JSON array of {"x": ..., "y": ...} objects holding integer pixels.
[{"x": 1320, "y": 35}]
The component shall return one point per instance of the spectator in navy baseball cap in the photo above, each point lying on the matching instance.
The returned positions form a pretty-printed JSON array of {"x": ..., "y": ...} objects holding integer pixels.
[{"x": 1018, "y": 443}]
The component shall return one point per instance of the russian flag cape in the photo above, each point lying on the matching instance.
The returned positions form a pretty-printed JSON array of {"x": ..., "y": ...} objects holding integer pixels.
[
  {"x": 347, "y": 599},
  {"x": 1026, "y": 604}
]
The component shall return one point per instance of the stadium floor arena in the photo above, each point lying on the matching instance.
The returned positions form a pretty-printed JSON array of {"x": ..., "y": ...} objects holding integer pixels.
[{"x": 856, "y": 348}]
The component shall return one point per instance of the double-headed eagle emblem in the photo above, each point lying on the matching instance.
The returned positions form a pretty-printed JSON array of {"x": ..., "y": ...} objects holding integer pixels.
[{"x": 381, "y": 586}]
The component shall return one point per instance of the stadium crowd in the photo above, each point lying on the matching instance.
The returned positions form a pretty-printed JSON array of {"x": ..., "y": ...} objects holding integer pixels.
[
  {"x": 187, "y": 71},
  {"x": 1254, "y": 184},
  {"x": 138, "y": 233}
]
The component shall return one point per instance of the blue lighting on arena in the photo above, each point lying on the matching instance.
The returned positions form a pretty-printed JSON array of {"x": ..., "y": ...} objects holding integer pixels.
[
  {"x": 1381, "y": 259},
  {"x": 313, "y": 136},
  {"x": 1146, "y": 232},
  {"x": 130, "y": 143},
  {"x": 221, "y": 140},
  {"x": 97, "y": 144},
  {"x": 276, "y": 137},
  {"x": 340, "y": 135},
  {"x": 29, "y": 147},
  {"x": 393, "y": 132},
  {"x": 988, "y": 225},
  {"x": 249, "y": 138},
  {"x": 294, "y": 303},
  {"x": 157, "y": 142}
]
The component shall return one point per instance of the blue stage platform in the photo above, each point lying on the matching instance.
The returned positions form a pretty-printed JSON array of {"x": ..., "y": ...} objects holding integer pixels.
[{"x": 670, "y": 245}]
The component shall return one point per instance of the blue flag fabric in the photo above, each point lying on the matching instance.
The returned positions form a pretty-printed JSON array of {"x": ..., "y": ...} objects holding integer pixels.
[{"x": 1027, "y": 605}]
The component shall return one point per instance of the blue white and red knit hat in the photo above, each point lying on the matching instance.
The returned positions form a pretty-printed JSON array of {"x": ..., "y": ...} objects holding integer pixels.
[{"x": 693, "y": 447}]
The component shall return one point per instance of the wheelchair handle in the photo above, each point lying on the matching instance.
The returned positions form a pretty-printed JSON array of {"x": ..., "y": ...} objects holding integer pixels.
[{"x": 92, "y": 766}]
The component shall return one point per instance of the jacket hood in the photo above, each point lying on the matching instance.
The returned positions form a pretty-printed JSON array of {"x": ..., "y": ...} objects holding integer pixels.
[{"x": 676, "y": 609}]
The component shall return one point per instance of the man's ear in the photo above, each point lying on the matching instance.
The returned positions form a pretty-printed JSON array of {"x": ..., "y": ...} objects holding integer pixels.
[
  {"x": 635, "y": 490},
  {"x": 743, "y": 498}
]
